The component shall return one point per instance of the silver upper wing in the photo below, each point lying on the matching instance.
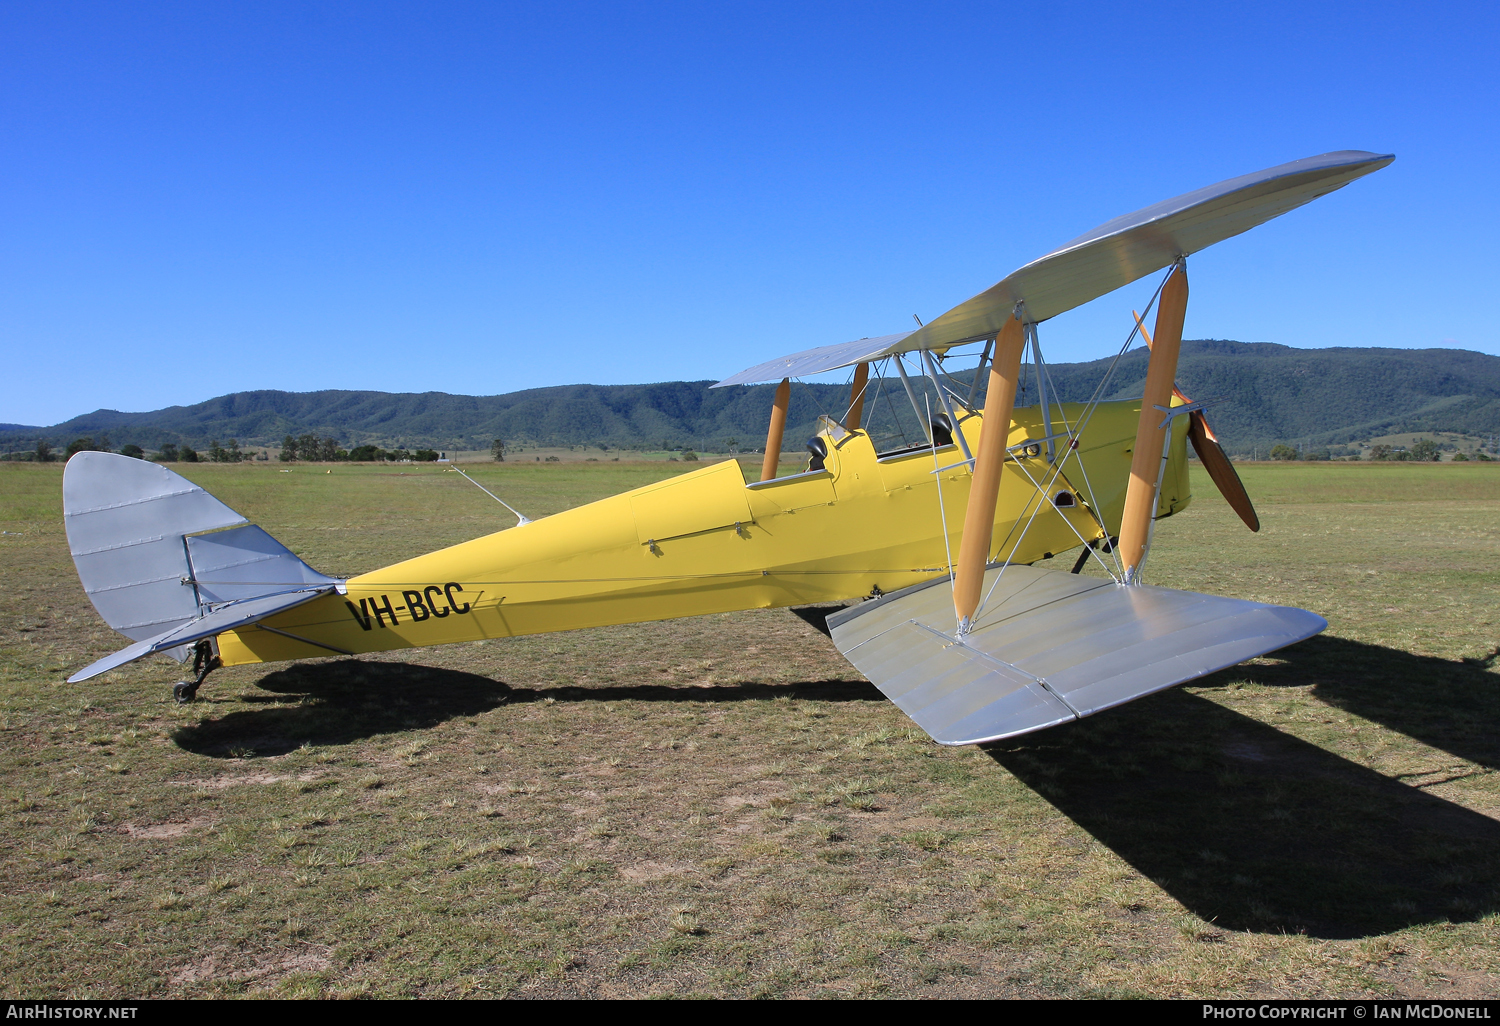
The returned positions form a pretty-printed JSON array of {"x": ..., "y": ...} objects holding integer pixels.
[
  {"x": 1112, "y": 255},
  {"x": 816, "y": 361}
]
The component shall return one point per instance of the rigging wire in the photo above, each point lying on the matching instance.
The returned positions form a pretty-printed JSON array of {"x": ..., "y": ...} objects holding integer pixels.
[
  {"x": 943, "y": 370},
  {"x": 1083, "y": 420},
  {"x": 890, "y": 404},
  {"x": 942, "y": 510},
  {"x": 521, "y": 518}
]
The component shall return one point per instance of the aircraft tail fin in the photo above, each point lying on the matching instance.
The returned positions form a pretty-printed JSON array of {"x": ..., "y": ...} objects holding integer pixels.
[
  {"x": 165, "y": 563},
  {"x": 1049, "y": 647}
]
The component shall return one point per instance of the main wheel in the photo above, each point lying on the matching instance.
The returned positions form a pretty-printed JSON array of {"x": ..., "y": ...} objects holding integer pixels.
[{"x": 183, "y": 692}]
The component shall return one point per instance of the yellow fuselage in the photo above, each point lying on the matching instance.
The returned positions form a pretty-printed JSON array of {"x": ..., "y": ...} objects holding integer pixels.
[{"x": 707, "y": 542}]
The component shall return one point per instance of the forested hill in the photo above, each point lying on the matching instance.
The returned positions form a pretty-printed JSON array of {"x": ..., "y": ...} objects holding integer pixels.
[{"x": 1273, "y": 393}]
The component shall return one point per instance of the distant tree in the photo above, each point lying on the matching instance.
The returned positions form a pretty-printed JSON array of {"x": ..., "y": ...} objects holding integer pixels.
[
  {"x": 328, "y": 450},
  {"x": 86, "y": 444},
  {"x": 689, "y": 456},
  {"x": 133, "y": 451},
  {"x": 1460, "y": 457},
  {"x": 44, "y": 453},
  {"x": 217, "y": 453},
  {"x": 367, "y": 453},
  {"x": 307, "y": 447},
  {"x": 187, "y": 455},
  {"x": 1482, "y": 458},
  {"x": 1380, "y": 453},
  {"x": 425, "y": 455},
  {"x": 1281, "y": 451},
  {"x": 1424, "y": 450},
  {"x": 732, "y": 444},
  {"x": 167, "y": 453},
  {"x": 603, "y": 447},
  {"x": 288, "y": 449},
  {"x": 398, "y": 455},
  {"x": 235, "y": 455},
  {"x": 497, "y": 450}
]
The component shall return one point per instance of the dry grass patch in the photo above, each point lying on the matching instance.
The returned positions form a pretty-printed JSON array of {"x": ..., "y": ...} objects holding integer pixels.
[{"x": 722, "y": 806}]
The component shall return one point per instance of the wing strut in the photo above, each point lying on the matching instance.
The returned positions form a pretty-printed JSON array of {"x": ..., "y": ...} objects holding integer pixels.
[
  {"x": 1149, "y": 459},
  {"x": 958, "y": 431},
  {"x": 916, "y": 406},
  {"x": 857, "y": 397},
  {"x": 984, "y": 490},
  {"x": 777, "y": 430},
  {"x": 1041, "y": 390},
  {"x": 1212, "y": 454}
]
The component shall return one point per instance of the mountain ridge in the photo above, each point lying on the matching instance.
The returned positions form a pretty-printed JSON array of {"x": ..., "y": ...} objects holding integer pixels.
[{"x": 1274, "y": 394}]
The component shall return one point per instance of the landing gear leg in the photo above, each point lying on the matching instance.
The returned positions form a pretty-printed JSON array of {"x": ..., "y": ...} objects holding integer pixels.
[
  {"x": 204, "y": 663},
  {"x": 1105, "y": 545}
]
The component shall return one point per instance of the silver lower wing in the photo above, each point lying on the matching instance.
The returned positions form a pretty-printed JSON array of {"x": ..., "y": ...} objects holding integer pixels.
[{"x": 1049, "y": 647}]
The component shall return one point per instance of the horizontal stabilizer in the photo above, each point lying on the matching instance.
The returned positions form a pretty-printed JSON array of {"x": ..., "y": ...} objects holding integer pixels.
[
  {"x": 225, "y": 618},
  {"x": 1048, "y": 647}
]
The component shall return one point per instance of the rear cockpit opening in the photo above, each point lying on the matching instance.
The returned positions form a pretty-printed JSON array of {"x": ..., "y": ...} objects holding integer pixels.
[{"x": 942, "y": 438}]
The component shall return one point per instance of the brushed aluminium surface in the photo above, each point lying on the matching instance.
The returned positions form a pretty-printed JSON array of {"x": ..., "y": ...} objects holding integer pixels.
[
  {"x": 815, "y": 361},
  {"x": 225, "y": 618},
  {"x": 1049, "y": 647},
  {"x": 125, "y": 520},
  {"x": 246, "y": 562},
  {"x": 136, "y": 532},
  {"x": 1110, "y": 256}
]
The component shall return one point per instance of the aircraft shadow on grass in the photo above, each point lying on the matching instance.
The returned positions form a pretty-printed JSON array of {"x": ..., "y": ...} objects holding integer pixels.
[
  {"x": 1247, "y": 826},
  {"x": 1253, "y": 829},
  {"x": 341, "y": 702}
]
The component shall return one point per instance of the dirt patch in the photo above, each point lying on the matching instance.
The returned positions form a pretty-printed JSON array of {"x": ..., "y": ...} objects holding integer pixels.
[
  {"x": 159, "y": 831},
  {"x": 646, "y": 872},
  {"x": 265, "y": 968},
  {"x": 220, "y": 782}
]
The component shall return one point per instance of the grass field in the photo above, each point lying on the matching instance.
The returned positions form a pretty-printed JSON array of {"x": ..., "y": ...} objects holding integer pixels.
[{"x": 723, "y": 806}]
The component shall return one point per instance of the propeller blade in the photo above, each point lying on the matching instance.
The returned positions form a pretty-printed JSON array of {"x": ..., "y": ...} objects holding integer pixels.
[
  {"x": 1221, "y": 470},
  {"x": 1211, "y": 453}
]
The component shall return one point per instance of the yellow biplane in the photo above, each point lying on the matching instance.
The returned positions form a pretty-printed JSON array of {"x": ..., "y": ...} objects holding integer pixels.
[{"x": 960, "y": 626}]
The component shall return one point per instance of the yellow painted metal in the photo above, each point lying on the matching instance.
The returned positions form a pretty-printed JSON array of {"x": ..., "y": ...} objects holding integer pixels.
[
  {"x": 1145, "y": 466},
  {"x": 777, "y": 430},
  {"x": 979, "y": 516},
  {"x": 706, "y": 542},
  {"x": 857, "y": 396}
]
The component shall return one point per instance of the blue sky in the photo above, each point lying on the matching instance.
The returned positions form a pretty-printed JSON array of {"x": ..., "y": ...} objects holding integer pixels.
[{"x": 204, "y": 198}]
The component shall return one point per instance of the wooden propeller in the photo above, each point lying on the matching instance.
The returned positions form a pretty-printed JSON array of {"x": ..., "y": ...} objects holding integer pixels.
[{"x": 1207, "y": 446}]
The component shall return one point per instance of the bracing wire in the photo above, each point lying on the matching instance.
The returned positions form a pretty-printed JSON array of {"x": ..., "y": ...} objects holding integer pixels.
[
  {"x": 890, "y": 404},
  {"x": 943, "y": 370},
  {"x": 521, "y": 518},
  {"x": 1085, "y": 416},
  {"x": 942, "y": 510}
]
